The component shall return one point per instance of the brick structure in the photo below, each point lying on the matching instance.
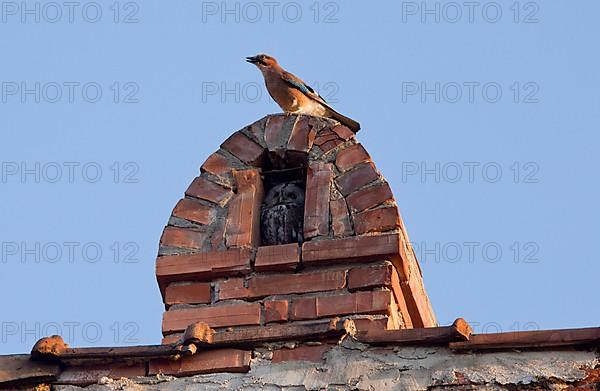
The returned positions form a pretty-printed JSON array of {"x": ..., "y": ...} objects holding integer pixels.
[
  {"x": 355, "y": 259},
  {"x": 344, "y": 308},
  {"x": 318, "y": 355}
]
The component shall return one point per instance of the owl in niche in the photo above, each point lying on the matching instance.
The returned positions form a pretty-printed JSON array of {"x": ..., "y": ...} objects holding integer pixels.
[{"x": 282, "y": 215}]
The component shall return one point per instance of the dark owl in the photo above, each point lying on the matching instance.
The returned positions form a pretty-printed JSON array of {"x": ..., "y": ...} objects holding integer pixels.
[{"x": 282, "y": 215}]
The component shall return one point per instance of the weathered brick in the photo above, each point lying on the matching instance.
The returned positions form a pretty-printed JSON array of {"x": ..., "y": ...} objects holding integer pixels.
[
  {"x": 276, "y": 258},
  {"x": 91, "y": 374},
  {"x": 324, "y": 136},
  {"x": 417, "y": 301},
  {"x": 244, "y": 149},
  {"x": 232, "y": 288},
  {"x": 401, "y": 301},
  {"x": 207, "y": 190},
  {"x": 302, "y": 136},
  {"x": 257, "y": 130},
  {"x": 377, "y": 220},
  {"x": 243, "y": 215},
  {"x": 194, "y": 211},
  {"x": 316, "y": 203},
  {"x": 171, "y": 338},
  {"x": 197, "y": 293},
  {"x": 351, "y": 156},
  {"x": 281, "y": 284},
  {"x": 364, "y": 248},
  {"x": 370, "y": 277},
  {"x": 343, "y": 132},
  {"x": 371, "y": 302},
  {"x": 276, "y": 311},
  {"x": 217, "y": 316},
  {"x": 182, "y": 238},
  {"x": 340, "y": 219},
  {"x": 369, "y": 197},
  {"x": 371, "y": 324},
  {"x": 394, "y": 318},
  {"x": 301, "y": 353},
  {"x": 202, "y": 266},
  {"x": 277, "y": 131},
  {"x": 216, "y": 164},
  {"x": 209, "y": 361},
  {"x": 329, "y": 145},
  {"x": 351, "y": 181},
  {"x": 217, "y": 238}
]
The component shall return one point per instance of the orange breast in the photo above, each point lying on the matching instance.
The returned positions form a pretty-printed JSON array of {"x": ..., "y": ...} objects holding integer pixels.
[{"x": 288, "y": 98}]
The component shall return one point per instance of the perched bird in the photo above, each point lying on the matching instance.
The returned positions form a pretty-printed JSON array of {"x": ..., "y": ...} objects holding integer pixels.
[
  {"x": 293, "y": 95},
  {"x": 282, "y": 215}
]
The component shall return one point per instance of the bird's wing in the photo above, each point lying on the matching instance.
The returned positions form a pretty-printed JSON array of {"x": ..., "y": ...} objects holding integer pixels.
[
  {"x": 307, "y": 90},
  {"x": 297, "y": 83}
]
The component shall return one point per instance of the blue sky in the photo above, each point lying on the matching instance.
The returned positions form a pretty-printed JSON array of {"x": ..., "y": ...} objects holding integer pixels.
[{"x": 484, "y": 119}]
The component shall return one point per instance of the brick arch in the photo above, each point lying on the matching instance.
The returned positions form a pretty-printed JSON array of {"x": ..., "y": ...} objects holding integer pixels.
[
  {"x": 210, "y": 254},
  {"x": 346, "y": 195}
]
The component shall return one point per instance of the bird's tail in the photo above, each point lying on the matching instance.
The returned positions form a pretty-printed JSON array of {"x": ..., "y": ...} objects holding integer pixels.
[{"x": 349, "y": 122}]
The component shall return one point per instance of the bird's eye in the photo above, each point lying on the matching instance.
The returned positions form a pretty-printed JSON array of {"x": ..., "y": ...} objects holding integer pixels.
[{"x": 293, "y": 196}]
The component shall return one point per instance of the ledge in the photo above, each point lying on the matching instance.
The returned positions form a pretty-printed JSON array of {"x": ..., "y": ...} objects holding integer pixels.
[{"x": 203, "y": 350}]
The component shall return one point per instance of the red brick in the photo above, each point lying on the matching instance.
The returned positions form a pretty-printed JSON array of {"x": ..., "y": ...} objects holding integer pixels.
[
  {"x": 217, "y": 316},
  {"x": 364, "y": 248},
  {"x": 232, "y": 288},
  {"x": 277, "y": 131},
  {"x": 329, "y": 145},
  {"x": 417, "y": 302},
  {"x": 276, "y": 258},
  {"x": 172, "y": 338},
  {"x": 198, "y": 293},
  {"x": 401, "y": 301},
  {"x": 316, "y": 203},
  {"x": 91, "y": 374},
  {"x": 194, "y": 211},
  {"x": 216, "y": 164},
  {"x": 182, "y": 238},
  {"x": 325, "y": 135},
  {"x": 257, "y": 130},
  {"x": 351, "y": 181},
  {"x": 369, "y": 197},
  {"x": 208, "y": 361},
  {"x": 351, "y": 156},
  {"x": 243, "y": 215},
  {"x": 301, "y": 353},
  {"x": 276, "y": 311},
  {"x": 340, "y": 219},
  {"x": 394, "y": 319},
  {"x": 282, "y": 284},
  {"x": 373, "y": 324},
  {"x": 207, "y": 190},
  {"x": 343, "y": 132},
  {"x": 370, "y": 277},
  {"x": 377, "y": 220},
  {"x": 202, "y": 266},
  {"x": 371, "y": 302},
  {"x": 302, "y": 136},
  {"x": 244, "y": 149},
  {"x": 297, "y": 283}
]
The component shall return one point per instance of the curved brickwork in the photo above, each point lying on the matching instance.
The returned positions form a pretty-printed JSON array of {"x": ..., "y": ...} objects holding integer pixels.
[
  {"x": 346, "y": 195},
  {"x": 213, "y": 235}
]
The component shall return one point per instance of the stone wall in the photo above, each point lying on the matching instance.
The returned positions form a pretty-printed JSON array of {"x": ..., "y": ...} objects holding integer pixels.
[{"x": 353, "y": 366}]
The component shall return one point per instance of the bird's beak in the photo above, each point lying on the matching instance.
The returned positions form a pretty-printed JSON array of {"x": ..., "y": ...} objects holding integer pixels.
[{"x": 252, "y": 60}]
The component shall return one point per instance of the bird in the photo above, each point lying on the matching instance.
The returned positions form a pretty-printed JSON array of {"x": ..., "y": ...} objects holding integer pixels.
[
  {"x": 293, "y": 95},
  {"x": 282, "y": 215}
]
